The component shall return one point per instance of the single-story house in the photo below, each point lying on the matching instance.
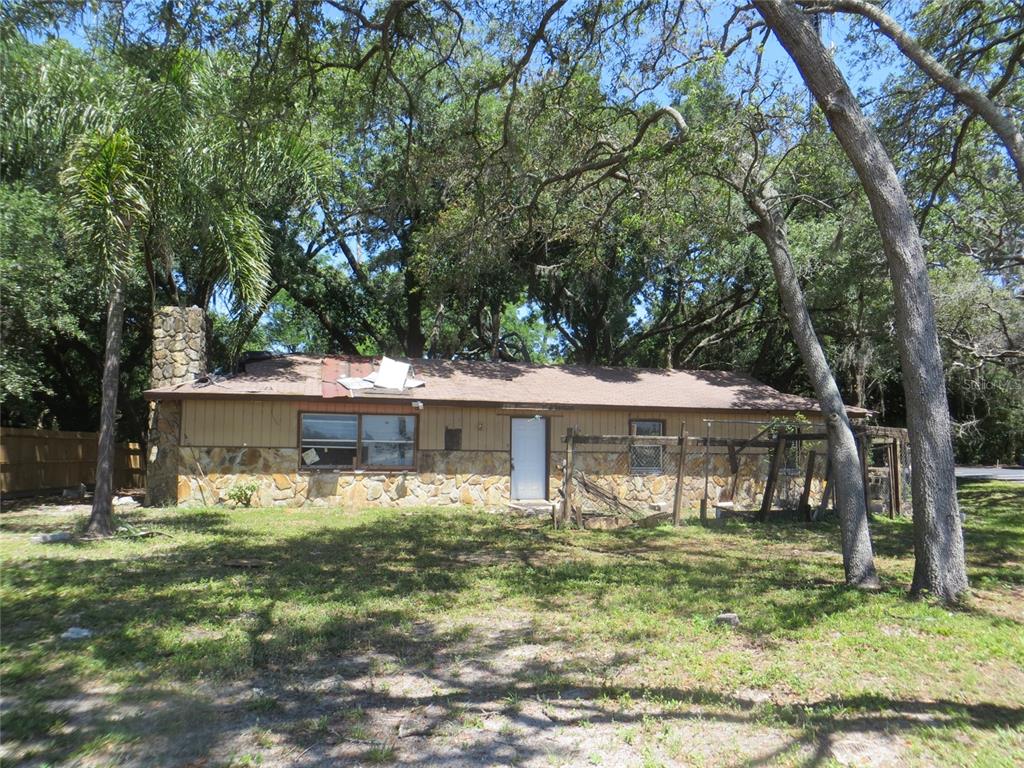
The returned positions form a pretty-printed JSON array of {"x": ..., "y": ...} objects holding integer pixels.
[{"x": 315, "y": 431}]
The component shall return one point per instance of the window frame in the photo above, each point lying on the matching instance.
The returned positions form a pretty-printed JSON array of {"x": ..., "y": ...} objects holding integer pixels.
[
  {"x": 644, "y": 471},
  {"x": 357, "y": 465}
]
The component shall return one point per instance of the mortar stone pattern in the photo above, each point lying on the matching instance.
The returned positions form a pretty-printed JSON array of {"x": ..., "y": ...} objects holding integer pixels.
[
  {"x": 473, "y": 478},
  {"x": 179, "y": 355}
]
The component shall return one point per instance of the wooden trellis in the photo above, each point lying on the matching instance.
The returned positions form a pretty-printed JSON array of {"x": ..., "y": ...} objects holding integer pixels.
[
  {"x": 571, "y": 476},
  {"x": 770, "y": 437}
]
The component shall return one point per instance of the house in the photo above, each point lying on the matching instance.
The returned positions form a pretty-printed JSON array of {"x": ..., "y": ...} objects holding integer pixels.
[{"x": 313, "y": 431}]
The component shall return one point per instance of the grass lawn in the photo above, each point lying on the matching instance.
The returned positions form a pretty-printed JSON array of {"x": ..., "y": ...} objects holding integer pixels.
[{"x": 323, "y": 637}]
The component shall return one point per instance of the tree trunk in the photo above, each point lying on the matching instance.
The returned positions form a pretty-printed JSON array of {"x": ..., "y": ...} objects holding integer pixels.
[
  {"x": 414, "y": 338},
  {"x": 939, "y": 549},
  {"x": 848, "y": 483},
  {"x": 495, "y": 334},
  {"x": 101, "y": 521}
]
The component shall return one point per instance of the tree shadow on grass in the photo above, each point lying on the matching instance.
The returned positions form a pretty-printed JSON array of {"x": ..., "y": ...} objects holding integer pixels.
[
  {"x": 332, "y": 601},
  {"x": 541, "y": 709},
  {"x": 394, "y": 566}
]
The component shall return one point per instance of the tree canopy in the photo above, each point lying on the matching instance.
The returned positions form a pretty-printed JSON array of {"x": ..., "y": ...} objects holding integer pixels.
[{"x": 485, "y": 181}]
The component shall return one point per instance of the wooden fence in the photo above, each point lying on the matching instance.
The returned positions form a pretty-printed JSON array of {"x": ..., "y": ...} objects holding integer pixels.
[{"x": 43, "y": 460}]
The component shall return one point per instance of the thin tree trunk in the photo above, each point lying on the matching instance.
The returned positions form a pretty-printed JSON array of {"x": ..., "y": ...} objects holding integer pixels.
[
  {"x": 858, "y": 558},
  {"x": 939, "y": 549},
  {"x": 414, "y": 338},
  {"x": 101, "y": 521},
  {"x": 495, "y": 334},
  {"x": 976, "y": 101},
  {"x": 247, "y": 325}
]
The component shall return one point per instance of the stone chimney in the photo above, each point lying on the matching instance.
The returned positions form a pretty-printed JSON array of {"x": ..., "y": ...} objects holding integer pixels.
[
  {"x": 179, "y": 345},
  {"x": 179, "y": 355}
]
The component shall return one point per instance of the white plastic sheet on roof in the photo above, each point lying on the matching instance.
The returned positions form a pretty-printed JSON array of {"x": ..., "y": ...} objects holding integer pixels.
[{"x": 390, "y": 374}]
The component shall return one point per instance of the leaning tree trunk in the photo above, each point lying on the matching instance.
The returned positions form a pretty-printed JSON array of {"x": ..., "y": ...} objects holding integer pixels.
[
  {"x": 847, "y": 479},
  {"x": 938, "y": 538},
  {"x": 101, "y": 521}
]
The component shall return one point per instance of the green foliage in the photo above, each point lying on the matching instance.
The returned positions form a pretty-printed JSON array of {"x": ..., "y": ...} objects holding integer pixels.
[
  {"x": 424, "y": 203},
  {"x": 242, "y": 493},
  {"x": 105, "y": 201},
  {"x": 37, "y": 286}
]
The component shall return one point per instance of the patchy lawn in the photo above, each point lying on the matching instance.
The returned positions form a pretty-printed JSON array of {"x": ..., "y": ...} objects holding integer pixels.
[{"x": 272, "y": 637}]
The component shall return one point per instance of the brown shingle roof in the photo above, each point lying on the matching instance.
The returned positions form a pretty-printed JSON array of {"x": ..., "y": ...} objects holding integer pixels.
[{"x": 302, "y": 376}]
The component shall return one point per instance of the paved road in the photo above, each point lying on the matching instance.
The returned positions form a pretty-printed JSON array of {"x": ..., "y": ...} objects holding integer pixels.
[{"x": 991, "y": 473}]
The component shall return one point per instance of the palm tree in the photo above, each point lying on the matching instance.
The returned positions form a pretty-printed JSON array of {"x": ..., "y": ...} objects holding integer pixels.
[
  {"x": 104, "y": 210},
  {"x": 165, "y": 189}
]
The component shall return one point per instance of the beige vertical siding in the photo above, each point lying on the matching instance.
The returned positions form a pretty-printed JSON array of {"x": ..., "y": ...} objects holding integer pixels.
[
  {"x": 616, "y": 422},
  {"x": 261, "y": 423},
  {"x": 274, "y": 423},
  {"x": 483, "y": 429}
]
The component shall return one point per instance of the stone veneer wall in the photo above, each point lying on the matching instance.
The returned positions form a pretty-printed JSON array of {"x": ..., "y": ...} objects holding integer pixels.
[
  {"x": 206, "y": 475},
  {"x": 179, "y": 355},
  {"x": 479, "y": 478},
  {"x": 610, "y": 470}
]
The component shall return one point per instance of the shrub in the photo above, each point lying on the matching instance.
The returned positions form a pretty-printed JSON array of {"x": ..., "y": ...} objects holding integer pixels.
[{"x": 242, "y": 493}]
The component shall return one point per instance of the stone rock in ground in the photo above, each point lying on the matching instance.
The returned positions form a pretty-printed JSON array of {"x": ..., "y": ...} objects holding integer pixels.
[
  {"x": 865, "y": 750},
  {"x": 74, "y": 493},
  {"x": 728, "y": 618},
  {"x": 125, "y": 501},
  {"x": 51, "y": 538},
  {"x": 753, "y": 696},
  {"x": 76, "y": 633},
  {"x": 606, "y": 523},
  {"x": 653, "y": 521},
  {"x": 422, "y": 721}
]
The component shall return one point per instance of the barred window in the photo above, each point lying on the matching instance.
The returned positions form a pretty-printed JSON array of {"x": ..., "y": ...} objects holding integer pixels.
[{"x": 646, "y": 459}]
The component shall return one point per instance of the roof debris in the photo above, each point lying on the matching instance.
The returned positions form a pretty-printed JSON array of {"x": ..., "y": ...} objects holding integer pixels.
[{"x": 391, "y": 375}]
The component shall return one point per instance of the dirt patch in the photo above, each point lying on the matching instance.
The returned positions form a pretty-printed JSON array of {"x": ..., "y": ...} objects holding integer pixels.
[
  {"x": 492, "y": 697},
  {"x": 1007, "y": 602},
  {"x": 861, "y": 749}
]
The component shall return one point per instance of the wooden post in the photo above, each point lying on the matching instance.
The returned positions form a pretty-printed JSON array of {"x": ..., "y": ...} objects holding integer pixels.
[
  {"x": 864, "y": 443},
  {"x": 734, "y": 467},
  {"x": 773, "y": 475},
  {"x": 827, "y": 493},
  {"x": 567, "y": 476},
  {"x": 707, "y": 469},
  {"x": 734, "y": 459},
  {"x": 677, "y": 501},
  {"x": 888, "y": 469},
  {"x": 805, "y": 497},
  {"x": 896, "y": 479}
]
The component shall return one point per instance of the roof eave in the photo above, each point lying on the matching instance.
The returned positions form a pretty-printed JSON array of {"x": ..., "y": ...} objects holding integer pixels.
[{"x": 161, "y": 394}]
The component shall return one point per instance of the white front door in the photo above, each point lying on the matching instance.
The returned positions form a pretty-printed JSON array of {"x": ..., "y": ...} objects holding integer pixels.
[{"x": 529, "y": 458}]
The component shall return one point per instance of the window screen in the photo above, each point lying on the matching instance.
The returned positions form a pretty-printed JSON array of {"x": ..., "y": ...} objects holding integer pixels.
[
  {"x": 387, "y": 441},
  {"x": 328, "y": 440},
  {"x": 452, "y": 439},
  {"x": 646, "y": 459}
]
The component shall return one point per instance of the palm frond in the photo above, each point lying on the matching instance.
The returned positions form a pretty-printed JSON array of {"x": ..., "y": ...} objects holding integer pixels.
[
  {"x": 105, "y": 198},
  {"x": 238, "y": 252}
]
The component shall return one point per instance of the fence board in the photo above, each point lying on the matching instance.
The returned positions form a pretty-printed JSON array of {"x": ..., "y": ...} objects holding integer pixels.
[{"x": 42, "y": 459}]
